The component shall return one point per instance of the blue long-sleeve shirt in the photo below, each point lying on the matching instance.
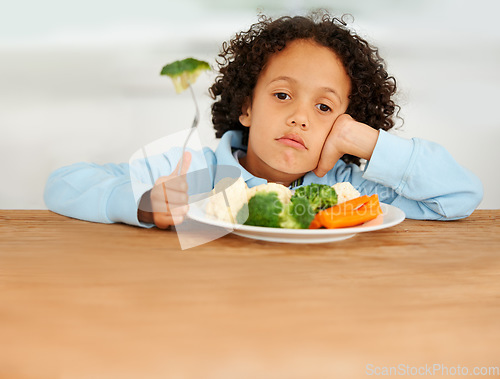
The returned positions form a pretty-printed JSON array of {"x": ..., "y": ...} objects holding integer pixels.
[{"x": 417, "y": 176}]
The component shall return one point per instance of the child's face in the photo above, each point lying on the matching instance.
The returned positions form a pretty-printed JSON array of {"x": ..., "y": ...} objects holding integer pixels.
[{"x": 298, "y": 96}]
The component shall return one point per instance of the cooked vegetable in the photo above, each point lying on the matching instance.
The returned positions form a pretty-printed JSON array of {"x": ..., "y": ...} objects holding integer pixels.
[
  {"x": 315, "y": 223},
  {"x": 320, "y": 196},
  {"x": 266, "y": 209},
  {"x": 184, "y": 72},
  {"x": 350, "y": 213},
  {"x": 297, "y": 214},
  {"x": 372, "y": 204},
  {"x": 345, "y": 191},
  {"x": 349, "y": 205}
]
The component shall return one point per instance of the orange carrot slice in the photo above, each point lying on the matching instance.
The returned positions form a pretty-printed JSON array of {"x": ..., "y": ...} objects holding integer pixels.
[
  {"x": 371, "y": 206},
  {"x": 348, "y": 205},
  {"x": 356, "y": 218},
  {"x": 340, "y": 209},
  {"x": 357, "y": 211},
  {"x": 315, "y": 223}
]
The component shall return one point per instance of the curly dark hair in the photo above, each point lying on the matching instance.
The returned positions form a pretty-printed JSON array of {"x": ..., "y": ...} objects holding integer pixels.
[{"x": 244, "y": 57}]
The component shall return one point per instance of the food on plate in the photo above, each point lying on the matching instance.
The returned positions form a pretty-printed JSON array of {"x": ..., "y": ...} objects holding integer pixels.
[
  {"x": 298, "y": 214},
  {"x": 284, "y": 193},
  {"x": 226, "y": 200},
  {"x": 267, "y": 209},
  {"x": 345, "y": 191},
  {"x": 184, "y": 72},
  {"x": 273, "y": 205},
  {"x": 349, "y": 213},
  {"x": 276, "y": 206},
  {"x": 320, "y": 196},
  {"x": 264, "y": 209}
]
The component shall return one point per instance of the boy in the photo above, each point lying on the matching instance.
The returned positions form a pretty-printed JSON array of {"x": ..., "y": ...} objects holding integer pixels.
[{"x": 298, "y": 101}]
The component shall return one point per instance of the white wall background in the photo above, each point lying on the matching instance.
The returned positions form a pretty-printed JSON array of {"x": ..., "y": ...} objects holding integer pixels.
[{"x": 79, "y": 80}]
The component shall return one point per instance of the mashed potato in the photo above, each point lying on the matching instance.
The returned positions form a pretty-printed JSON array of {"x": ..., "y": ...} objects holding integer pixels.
[{"x": 345, "y": 191}]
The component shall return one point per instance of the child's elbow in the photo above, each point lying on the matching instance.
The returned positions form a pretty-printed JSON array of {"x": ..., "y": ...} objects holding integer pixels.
[
  {"x": 58, "y": 193},
  {"x": 476, "y": 196},
  {"x": 470, "y": 199},
  {"x": 50, "y": 196}
]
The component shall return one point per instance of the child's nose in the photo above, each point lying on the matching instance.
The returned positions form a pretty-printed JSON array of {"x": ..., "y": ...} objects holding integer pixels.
[
  {"x": 302, "y": 124},
  {"x": 298, "y": 118}
]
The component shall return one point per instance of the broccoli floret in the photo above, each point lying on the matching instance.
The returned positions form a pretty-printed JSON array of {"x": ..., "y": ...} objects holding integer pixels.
[
  {"x": 184, "y": 72},
  {"x": 319, "y": 196},
  {"x": 297, "y": 214},
  {"x": 264, "y": 209}
]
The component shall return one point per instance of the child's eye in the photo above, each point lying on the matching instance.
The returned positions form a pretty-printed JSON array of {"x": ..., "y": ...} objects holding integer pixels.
[
  {"x": 323, "y": 107},
  {"x": 282, "y": 96}
]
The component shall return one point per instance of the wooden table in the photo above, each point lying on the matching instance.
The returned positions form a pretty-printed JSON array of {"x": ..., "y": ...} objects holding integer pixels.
[{"x": 83, "y": 300}]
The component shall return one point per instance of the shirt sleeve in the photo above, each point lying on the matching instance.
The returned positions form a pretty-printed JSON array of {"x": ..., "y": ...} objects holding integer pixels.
[
  {"x": 111, "y": 193},
  {"x": 418, "y": 176},
  {"x": 91, "y": 192}
]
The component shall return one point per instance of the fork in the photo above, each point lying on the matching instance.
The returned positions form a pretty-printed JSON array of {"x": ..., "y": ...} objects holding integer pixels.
[{"x": 193, "y": 127}]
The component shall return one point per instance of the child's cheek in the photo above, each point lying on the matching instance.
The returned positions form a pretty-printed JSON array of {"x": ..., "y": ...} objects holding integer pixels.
[
  {"x": 314, "y": 149},
  {"x": 315, "y": 159}
]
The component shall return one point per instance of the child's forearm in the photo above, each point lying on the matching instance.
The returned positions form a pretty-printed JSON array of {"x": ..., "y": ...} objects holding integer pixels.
[
  {"x": 425, "y": 180},
  {"x": 92, "y": 192}
]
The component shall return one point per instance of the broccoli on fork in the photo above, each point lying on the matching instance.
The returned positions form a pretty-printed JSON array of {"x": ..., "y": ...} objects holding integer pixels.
[{"x": 184, "y": 72}]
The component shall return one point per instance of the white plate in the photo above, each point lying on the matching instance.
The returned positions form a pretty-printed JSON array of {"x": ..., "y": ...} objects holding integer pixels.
[{"x": 391, "y": 216}]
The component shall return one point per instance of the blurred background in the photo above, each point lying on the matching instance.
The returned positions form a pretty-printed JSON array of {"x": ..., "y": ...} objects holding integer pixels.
[{"x": 79, "y": 80}]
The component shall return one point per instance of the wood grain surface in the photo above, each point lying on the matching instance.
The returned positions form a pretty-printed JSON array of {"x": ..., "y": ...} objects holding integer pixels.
[{"x": 84, "y": 300}]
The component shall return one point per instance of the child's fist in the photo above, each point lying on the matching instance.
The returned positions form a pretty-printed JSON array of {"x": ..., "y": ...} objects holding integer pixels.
[
  {"x": 347, "y": 136},
  {"x": 166, "y": 203}
]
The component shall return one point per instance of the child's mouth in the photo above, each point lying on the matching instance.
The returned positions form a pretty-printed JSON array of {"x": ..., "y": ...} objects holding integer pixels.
[{"x": 292, "y": 140}]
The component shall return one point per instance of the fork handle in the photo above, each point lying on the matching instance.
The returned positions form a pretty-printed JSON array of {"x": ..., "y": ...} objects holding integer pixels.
[{"x": 193, "y": 127}]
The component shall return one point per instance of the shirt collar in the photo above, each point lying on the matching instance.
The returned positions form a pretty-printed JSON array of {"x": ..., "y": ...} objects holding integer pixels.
[{"x": 232, "y": 139}]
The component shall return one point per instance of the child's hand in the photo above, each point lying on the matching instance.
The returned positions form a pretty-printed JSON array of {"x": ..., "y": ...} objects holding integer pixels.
[
  {"x": 166, "y": 203},
  {"x": 347, "y": 136}
]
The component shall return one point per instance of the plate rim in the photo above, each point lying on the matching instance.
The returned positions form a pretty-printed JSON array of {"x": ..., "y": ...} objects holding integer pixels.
[{"x": 397, "y": 214}]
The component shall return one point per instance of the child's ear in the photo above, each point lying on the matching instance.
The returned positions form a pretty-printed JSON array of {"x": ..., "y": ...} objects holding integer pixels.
[{"x": 246, "y": 114}]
